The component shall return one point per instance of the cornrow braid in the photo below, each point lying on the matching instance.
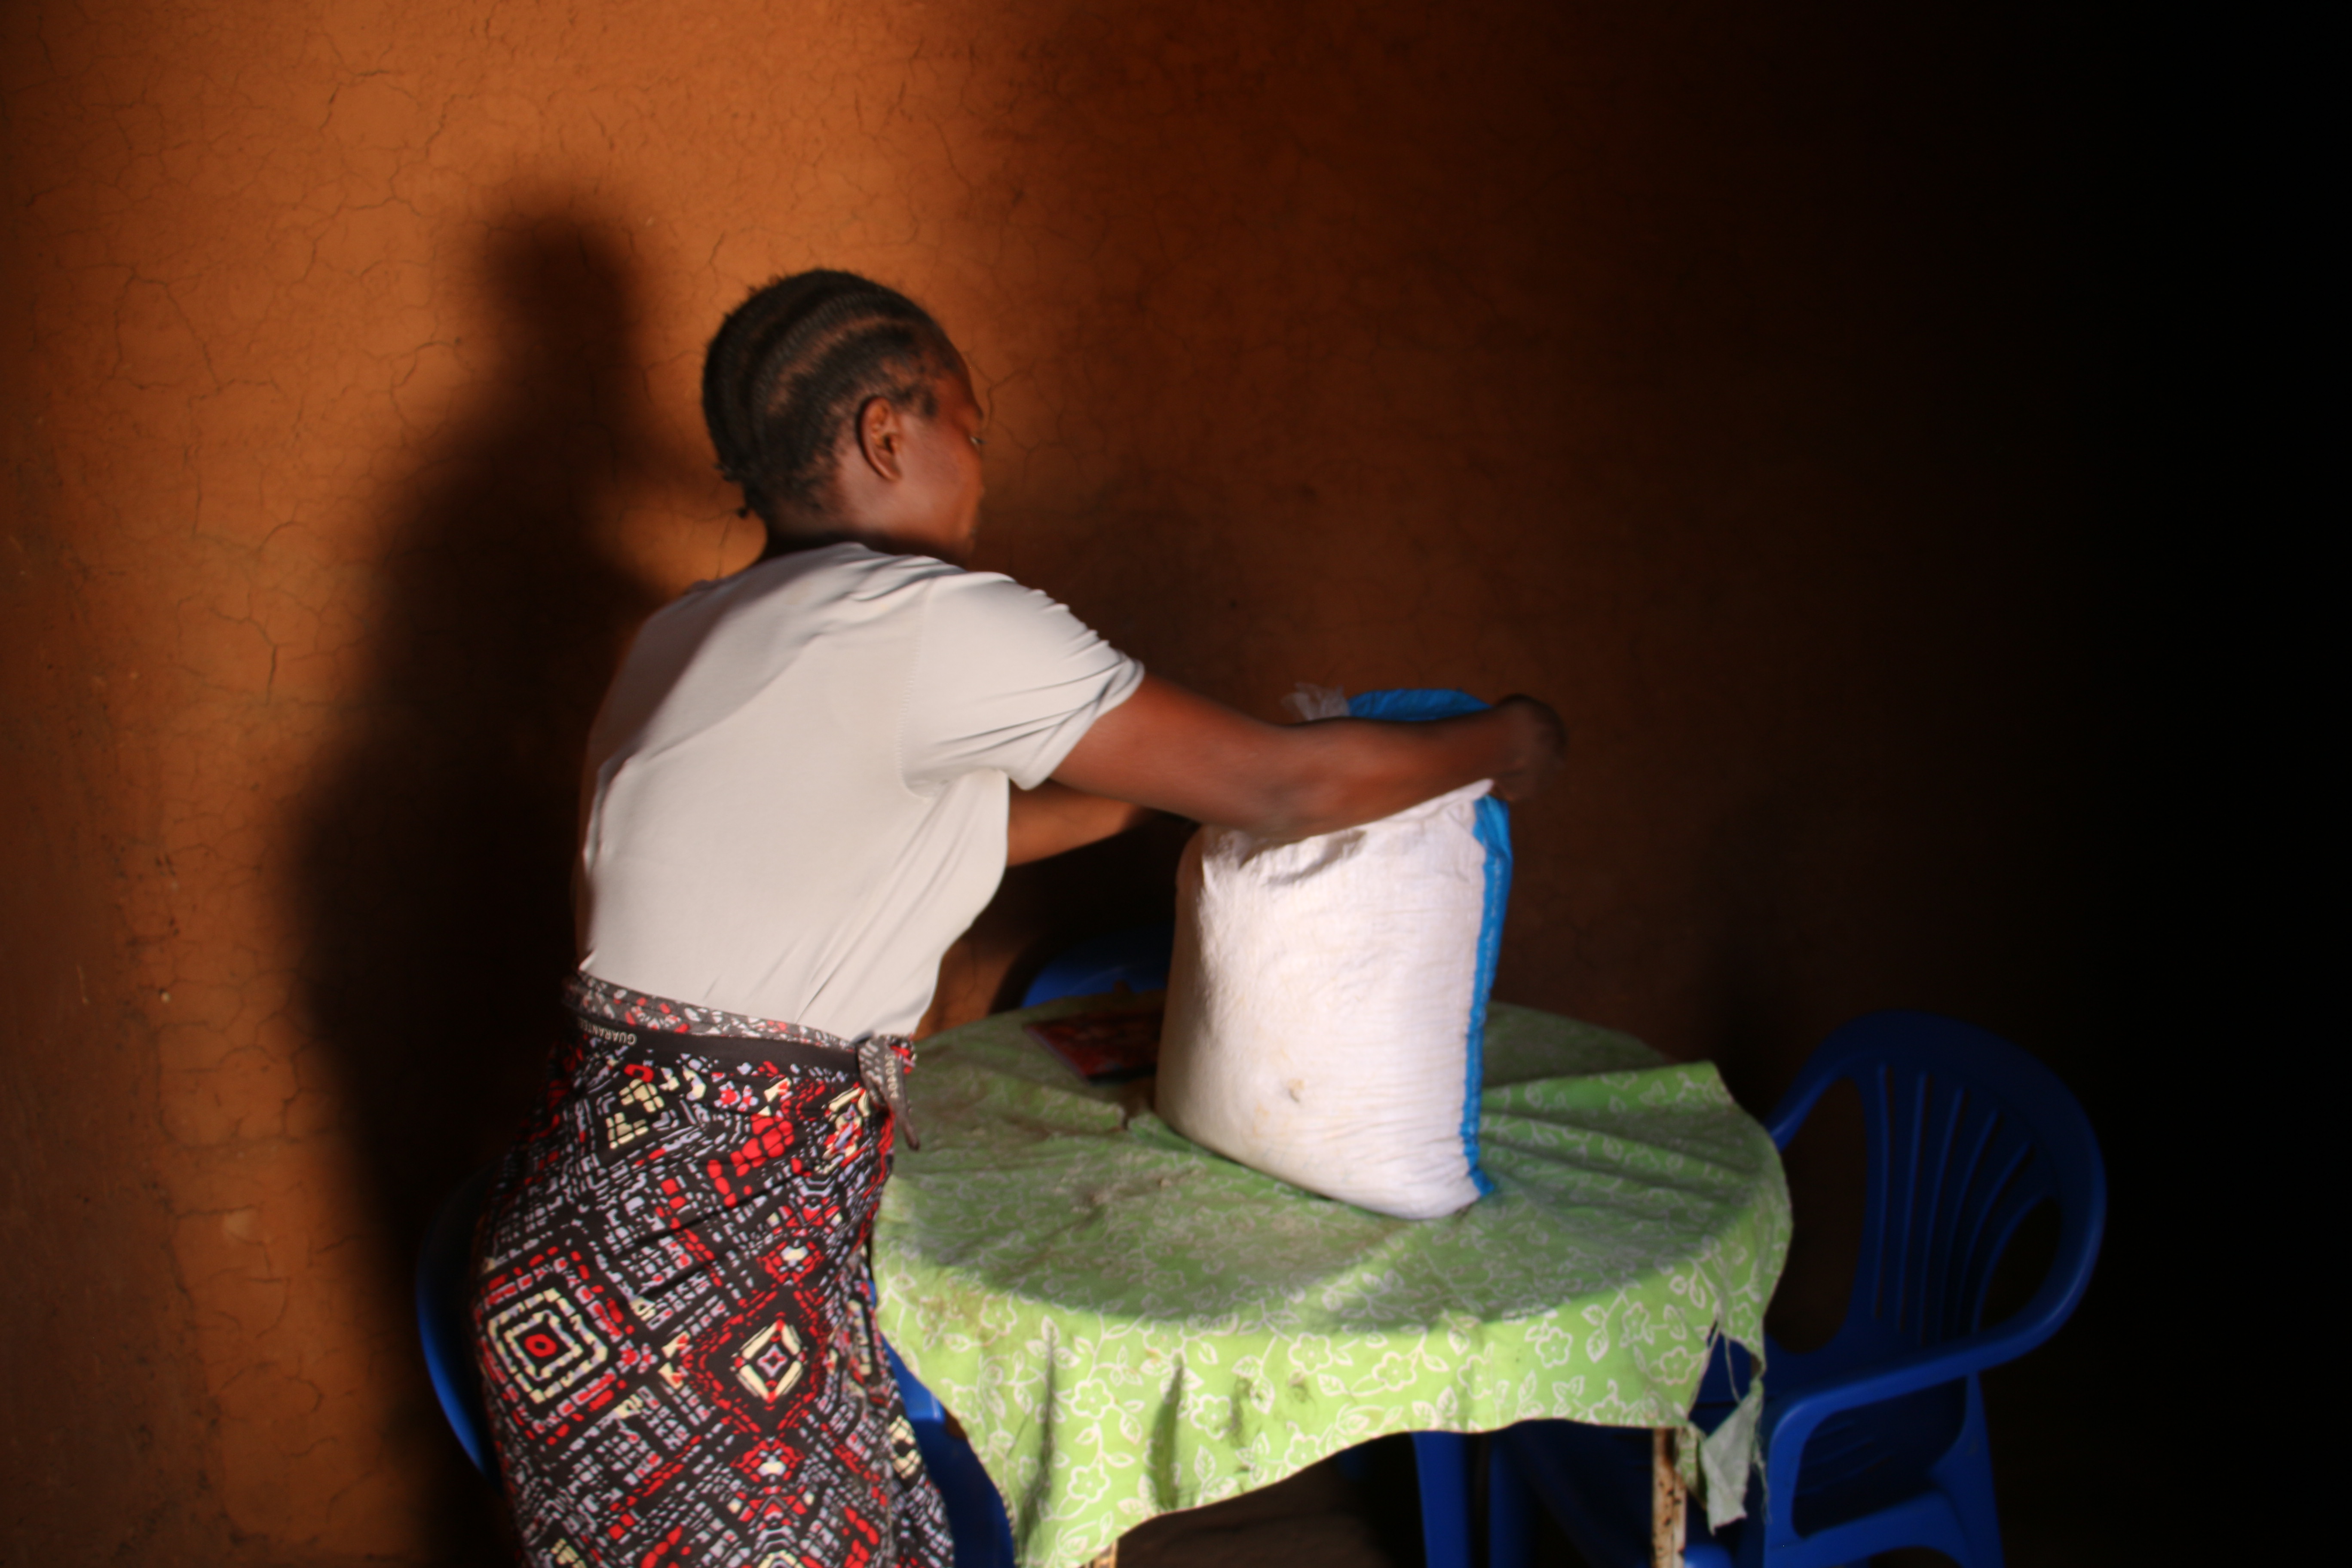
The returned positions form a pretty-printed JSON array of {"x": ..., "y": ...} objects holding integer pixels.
[{"x": 790, "y": 366}]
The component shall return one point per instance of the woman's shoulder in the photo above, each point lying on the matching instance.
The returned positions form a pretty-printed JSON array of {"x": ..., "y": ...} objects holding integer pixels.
[
  {"x": 846, "y": 570},
  {"x": 805, "y": 581},
  {"x": 838, "y": 589},
  {"x": 856, "y": 574}
]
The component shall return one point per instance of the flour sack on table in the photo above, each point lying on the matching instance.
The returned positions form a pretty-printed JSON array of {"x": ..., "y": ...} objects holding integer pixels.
[{"x": 1329, "y": 995}]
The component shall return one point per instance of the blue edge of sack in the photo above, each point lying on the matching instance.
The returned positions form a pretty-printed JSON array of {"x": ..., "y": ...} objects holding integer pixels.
[{"x": 1493, "y": 829}]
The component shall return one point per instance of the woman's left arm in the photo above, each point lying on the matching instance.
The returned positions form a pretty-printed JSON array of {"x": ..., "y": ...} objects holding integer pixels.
[{"x": 1054, "y": 818}]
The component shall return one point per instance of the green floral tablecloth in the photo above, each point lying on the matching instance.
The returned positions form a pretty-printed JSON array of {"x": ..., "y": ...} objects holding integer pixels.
[{"x": 1125, "y": 1324}]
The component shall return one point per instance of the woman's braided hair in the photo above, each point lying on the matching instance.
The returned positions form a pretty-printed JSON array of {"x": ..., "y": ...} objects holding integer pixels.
[{"x": 793, "y": 364}]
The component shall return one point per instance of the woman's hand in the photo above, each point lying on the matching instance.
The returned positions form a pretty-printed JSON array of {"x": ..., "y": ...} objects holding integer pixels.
[
  {"x": 1542, "y": 741},
  {"x": 1176, "y": 751}
]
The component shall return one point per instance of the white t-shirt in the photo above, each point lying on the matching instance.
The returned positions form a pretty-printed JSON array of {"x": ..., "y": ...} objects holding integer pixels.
[{"x": 797, "y": 782}]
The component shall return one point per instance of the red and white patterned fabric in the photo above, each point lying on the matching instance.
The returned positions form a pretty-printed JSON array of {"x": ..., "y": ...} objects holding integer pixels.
[{"x": 673, "y": 1309}]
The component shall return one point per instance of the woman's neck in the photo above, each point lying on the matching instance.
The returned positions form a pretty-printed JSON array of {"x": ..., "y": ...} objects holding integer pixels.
[{"x": 781, "y": 542}]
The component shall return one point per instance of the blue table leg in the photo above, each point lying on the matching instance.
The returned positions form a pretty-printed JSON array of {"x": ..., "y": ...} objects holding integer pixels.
[
  {"x": 1510, "y": 1512},
  {"x": 1442, "y": 1460}
]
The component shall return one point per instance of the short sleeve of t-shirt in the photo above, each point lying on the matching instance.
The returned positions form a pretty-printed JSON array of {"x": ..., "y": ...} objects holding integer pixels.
[{"x": 1004, "y": 679}]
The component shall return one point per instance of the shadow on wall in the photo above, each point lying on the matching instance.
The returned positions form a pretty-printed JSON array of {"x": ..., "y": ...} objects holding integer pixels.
[{"x": 436, "y": 859}]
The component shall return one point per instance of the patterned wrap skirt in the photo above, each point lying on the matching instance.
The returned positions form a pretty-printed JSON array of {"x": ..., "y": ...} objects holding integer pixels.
[{"x": 673, "y": 1309}]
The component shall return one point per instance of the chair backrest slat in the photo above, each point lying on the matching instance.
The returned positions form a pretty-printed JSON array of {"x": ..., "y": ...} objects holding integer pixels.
[
  {"x": 2027, "y": 1191},
  {"x": 1964, "y": 1136},
  {"x": 1968, "y": 1126},
  {"x": 1976, "y": 1244},
  {"x": 1887, "y": 1112}
]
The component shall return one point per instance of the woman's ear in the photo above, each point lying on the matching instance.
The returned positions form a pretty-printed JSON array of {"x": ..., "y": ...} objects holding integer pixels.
[{"x": 882, "y": 437}]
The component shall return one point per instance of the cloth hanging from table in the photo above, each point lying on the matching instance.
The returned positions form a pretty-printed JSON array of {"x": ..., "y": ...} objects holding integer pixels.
[{"x": 673, "y": 1310}]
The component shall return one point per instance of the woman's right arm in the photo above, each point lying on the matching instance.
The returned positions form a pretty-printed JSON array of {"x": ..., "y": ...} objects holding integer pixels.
[{"x": 1173, "y": 750}]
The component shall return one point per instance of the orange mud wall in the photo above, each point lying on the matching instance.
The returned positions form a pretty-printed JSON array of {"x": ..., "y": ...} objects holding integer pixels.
[{"x": 1733, "y": 383}]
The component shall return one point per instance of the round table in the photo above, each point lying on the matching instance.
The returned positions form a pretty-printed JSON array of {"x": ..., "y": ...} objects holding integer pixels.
[{"x": 1125, "y": 1324}]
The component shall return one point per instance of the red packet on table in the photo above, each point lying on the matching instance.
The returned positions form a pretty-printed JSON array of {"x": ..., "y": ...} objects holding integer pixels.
[{"x": 1110, "y": 1047}]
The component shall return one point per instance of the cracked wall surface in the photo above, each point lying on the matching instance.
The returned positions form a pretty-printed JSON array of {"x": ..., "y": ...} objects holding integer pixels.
[{"x": 1731, "y": 381}]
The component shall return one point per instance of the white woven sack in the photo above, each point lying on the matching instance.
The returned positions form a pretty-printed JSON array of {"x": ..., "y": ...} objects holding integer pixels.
[{"x": 1320, "y": 1006}]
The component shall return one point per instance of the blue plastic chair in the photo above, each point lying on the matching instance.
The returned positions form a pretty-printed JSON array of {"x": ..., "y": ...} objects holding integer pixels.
[
  {"x": 976, "y": 1516},
  {"x": 1137, "y": 959},
  {"x": 1877, "y": 1439},
  {"x": 444, "y": 1272}
]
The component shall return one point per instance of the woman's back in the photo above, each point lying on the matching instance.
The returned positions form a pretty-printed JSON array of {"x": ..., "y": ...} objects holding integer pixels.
[{"x": 797, "y": 785}]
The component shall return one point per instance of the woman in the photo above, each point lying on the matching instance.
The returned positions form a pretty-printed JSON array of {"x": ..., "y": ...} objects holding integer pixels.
[{"x": 804, "y": 783}]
